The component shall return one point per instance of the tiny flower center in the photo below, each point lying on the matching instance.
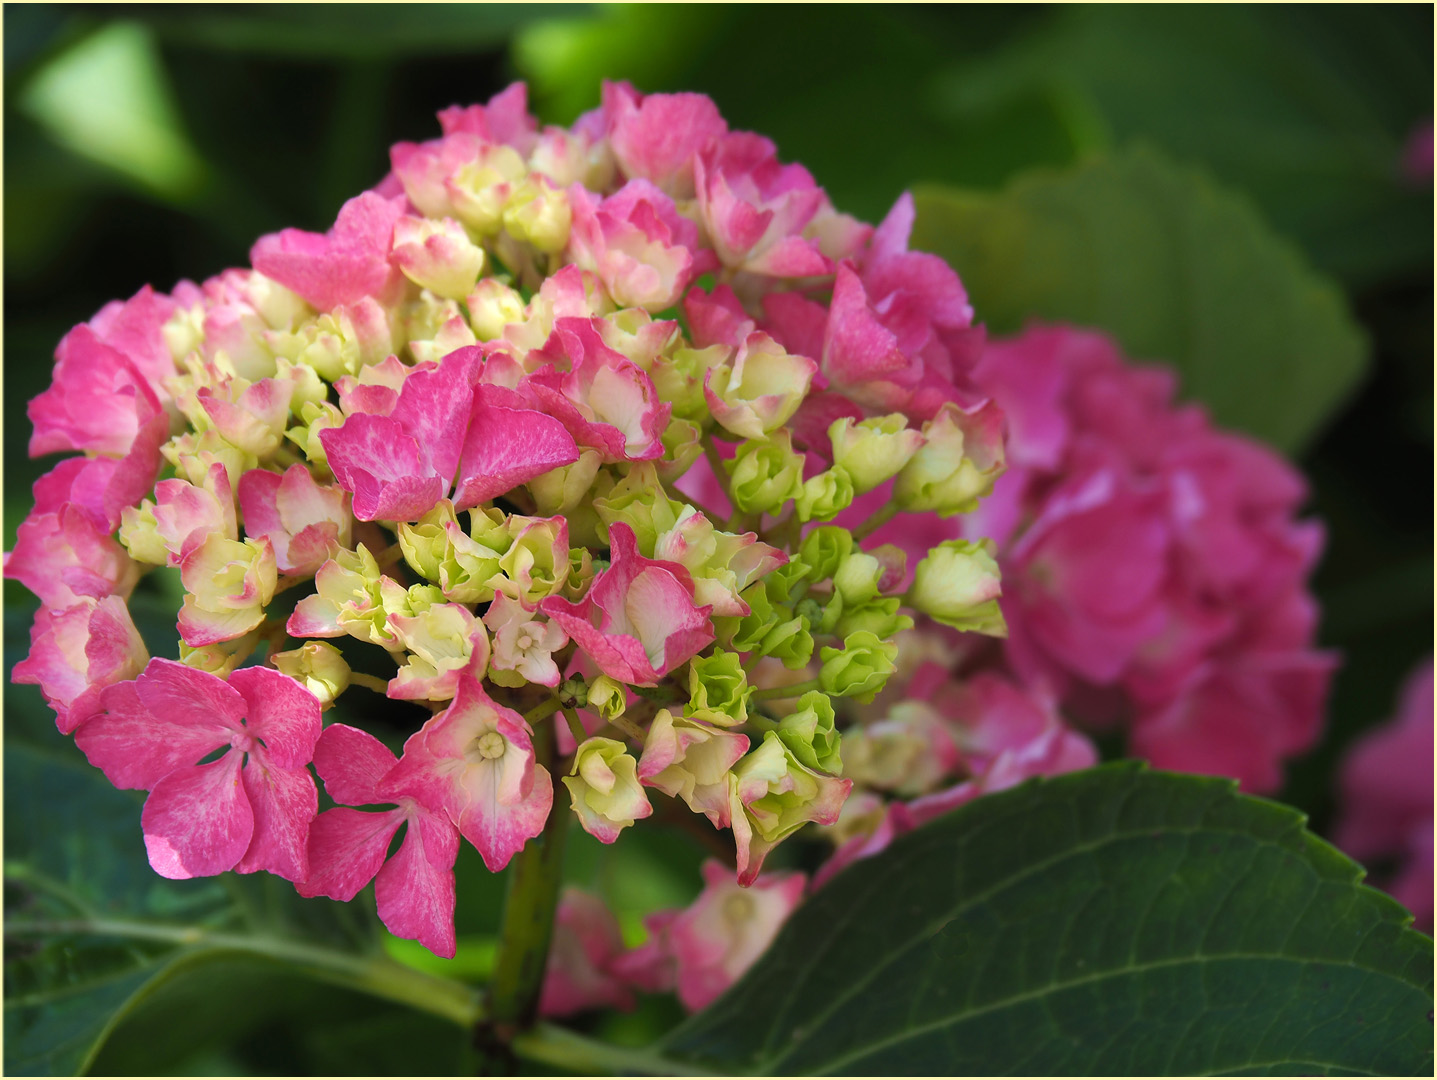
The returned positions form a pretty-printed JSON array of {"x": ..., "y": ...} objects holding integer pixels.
[
  {"x": 738, "y": 908},
  {"x": 524, "y": 642},
  {"x": 490, "y": 745},
  {"x": 242, "y": 742}
]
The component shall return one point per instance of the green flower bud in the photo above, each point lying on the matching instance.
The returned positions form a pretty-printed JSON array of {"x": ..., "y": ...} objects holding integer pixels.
[
  {"x": 222, "y": 658},
  {"x": 879, "y": 617},
  {"x": 492, "y": 306},
  {"x": 317, "y": 666},
  {"x": 789, "y": 642},
  {"x": 438, "y": 550},
  {"x": 962, "y": 457},
  {"x": 315, "y": 417},
  {"x": 538, "y": 213},
  {"x": 765, "y": 474},
  {"x": 750, "y": 630},
  {"x": 606, "y": 697},
  {"x": 683, "y": 446},
  {"x": 857, "y": 578},
  {"x": 679, "y": 379},
  {"x": 605, "y": 789},
  {"x": 788, "y": 581},
  {"x": 810, "y": 735},
  {"x": 823, "y": 549},
  {"x": 718, "y": 689},
  {"x": 860, "y": 669},
  {"x": 871, "y": 451},
  {"x": 562, "y": 489},
  {"x": 957, "y": 583},
  {"x": 139, "y": 532},
  {"x": 824, "y": 496},
  {"x": 640, "y": 501}
]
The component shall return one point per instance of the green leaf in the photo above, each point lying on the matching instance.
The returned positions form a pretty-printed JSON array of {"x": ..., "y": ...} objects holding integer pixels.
[
  {"x": 1305, "y": 108},
  {"x": 93, "y": 934},
  {"x": 1176, "y": 268},
  {"x": 1112, "y": 921}
]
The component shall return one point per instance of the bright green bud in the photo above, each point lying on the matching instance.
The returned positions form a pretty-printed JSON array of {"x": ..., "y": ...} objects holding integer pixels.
[
  {"x": 438, "y": 549},
  {"x": 761, "y": 389},
  {"x": 871, "y": 451},
  {"x": 957, "y": 584},
  {"x": 538, "y": 213},
  {"x": 492, "y": 306},
  {"x": 537, "y": 563},
  {"x": 718, "y": 689},
  {"x": 857, "y": 578},
  {"x": 823, "y": 549},
  {"x": 765, "y": 474},
  {"x": 605, "y": 789},
  {"x": 962, "y": 457},
  {"x": 222, "y": 658},
  {"x": 750, "y": 630},
  {"x": 773, "y": 795},
  {"x": 315, "y": 417},
  {"x": 560, "y": 490},
  {"x": 860, "y": 669},
  {"x": 683, "y": 446},
  {"x": 306, "y": 387},
  {"x": 824, "y": 496},
  {"x": 139, "y": 533},
  {"x": 810, "y": 735},
  {"x": 641, "y": 501},
  {"x": 442, "y": 640},
  {"x": 787, "y": 581},
  {"x": 606, "y": 697},
  {"x": 679, "y": 378},
  {"x": 318, "y": 667},
  {"x": 790, "y": 642},
  {"x": 581, "y": 573},
  {"x": 879, "y": 617}
]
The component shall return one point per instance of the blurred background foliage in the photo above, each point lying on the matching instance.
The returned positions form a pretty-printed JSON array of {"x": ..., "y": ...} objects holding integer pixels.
[{"x": 146, "y": 143}]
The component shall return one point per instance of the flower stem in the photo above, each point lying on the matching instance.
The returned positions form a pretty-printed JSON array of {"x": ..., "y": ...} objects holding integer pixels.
[
  {"x": 528, "y": 925},
  {"x": 876, "y": 522},
  {"x": 369, "y": 682}
]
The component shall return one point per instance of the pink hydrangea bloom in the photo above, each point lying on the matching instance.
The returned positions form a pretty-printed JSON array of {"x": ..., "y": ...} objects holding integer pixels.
[
  {"x": 582, "y": 953},
  {"x": 248, "y": 810},
  {"x": 712, "y": 942},
  {"x": 348, "y": 848},
  {"x": 306, "y": 523},
  {"x": 638, "y": 620},
  {"x": 346, "y": 264},
  {"x": 656, "y": 137},
  {"x": 76, "y": 652},
  {"x": 62, "y": 554},
  {"x": 1386, "y": 791},
  {"x": 475, "y": 762},
  {"x": 398, "y": 465},
  {"x": 643, "y": 251}
]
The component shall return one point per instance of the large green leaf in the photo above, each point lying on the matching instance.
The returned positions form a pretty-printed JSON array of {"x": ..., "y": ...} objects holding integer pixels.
[
  {"x": 1178, "y": 269},
  {"x": 1109, "y": 921},
  {"x": 1304, "y": 107}
]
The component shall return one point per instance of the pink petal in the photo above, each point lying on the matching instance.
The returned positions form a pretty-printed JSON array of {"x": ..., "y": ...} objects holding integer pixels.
[
  {"x": 507, "y": 447},
  {"x": 134, "y": 748},
  {"x": 282, "y": 713},
  {"x": 415, "y": 890},
  {"x": 186, "y": 697},
  {"x": 499, "y": 830},
  {"x": 375, "y": 459},
  {"x": 197, "y": 821},
  {"x": 346, "y": 849},
  {"x": 352, "y": 763},
  {"x": 284, "y": 802}
]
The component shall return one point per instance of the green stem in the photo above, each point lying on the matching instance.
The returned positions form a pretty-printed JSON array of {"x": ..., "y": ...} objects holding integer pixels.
[
  {"x": 376, "y": 975},
  {"x": 528, "y": 925},
  {"x": 369, "y": 682},
  {"x": 543, "y": 710},
  {"x": 877, "y": 521},
  {"x": 792, "y": 690},
  {"x": 575, "y": 1053},
  {"x": 576, "y": 726}
]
